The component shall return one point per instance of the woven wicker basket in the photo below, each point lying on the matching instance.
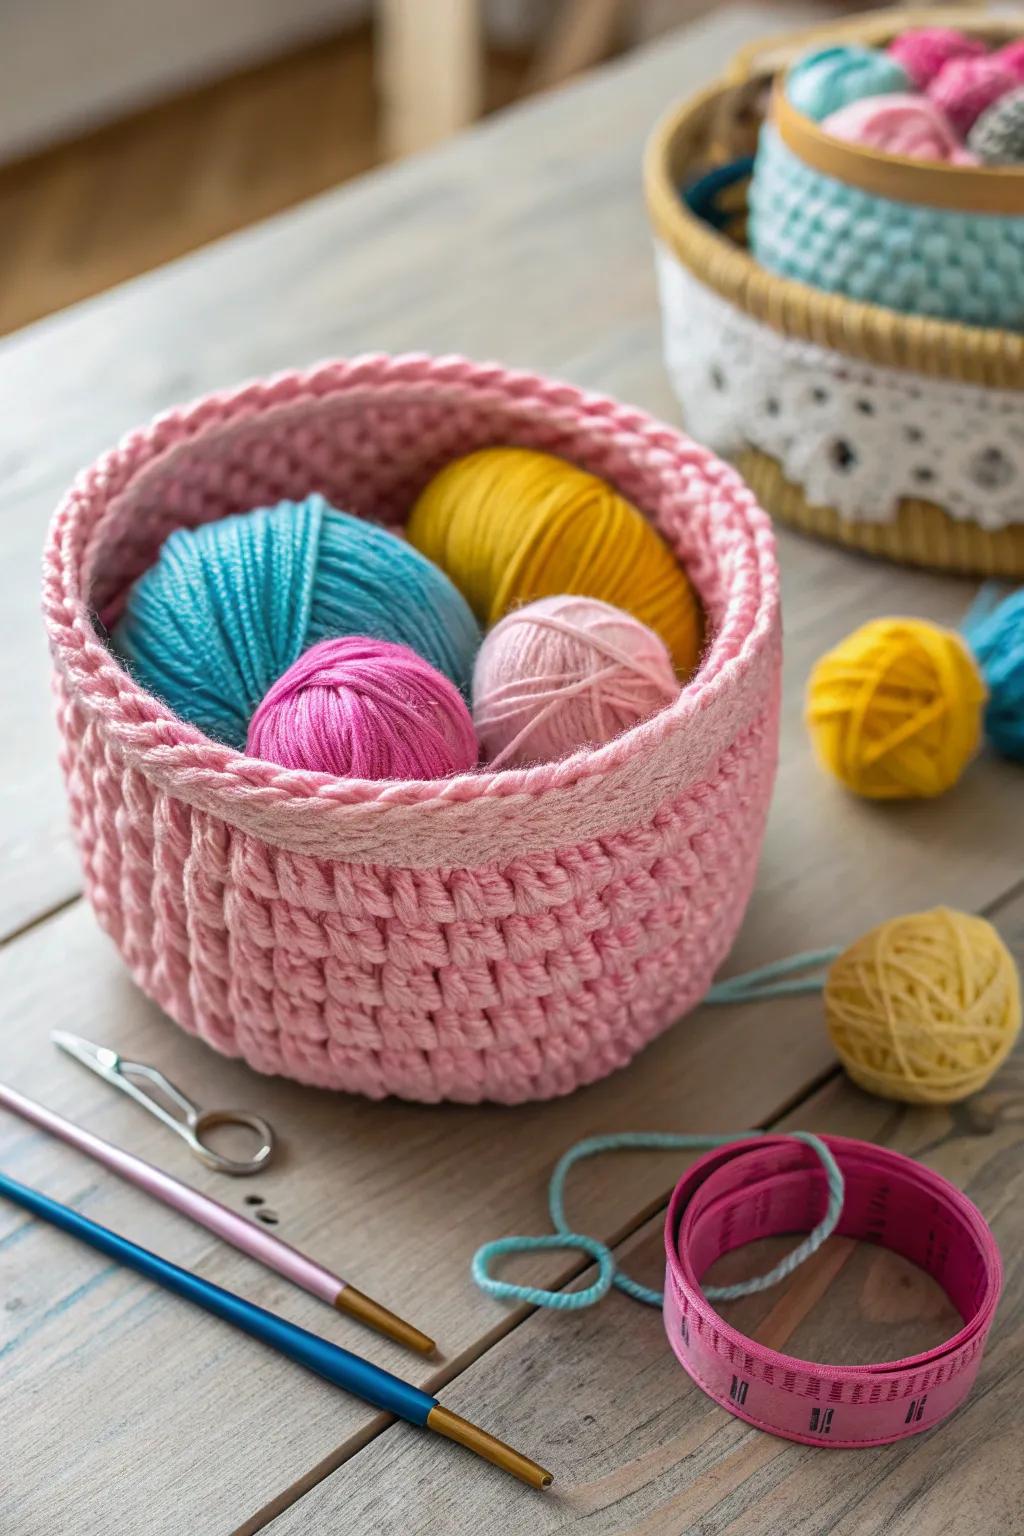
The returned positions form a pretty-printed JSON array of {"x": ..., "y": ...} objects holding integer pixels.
[
  {"x": 898, "y": 435},
  {"x": 497, "y": 935}
]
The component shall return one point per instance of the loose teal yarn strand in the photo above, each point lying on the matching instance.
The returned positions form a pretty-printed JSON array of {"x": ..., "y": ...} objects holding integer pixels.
[
  {"x": 608, "y": 1272},
  {"x": 782, "y": 978},
  {"x": 230, "y": 605}
]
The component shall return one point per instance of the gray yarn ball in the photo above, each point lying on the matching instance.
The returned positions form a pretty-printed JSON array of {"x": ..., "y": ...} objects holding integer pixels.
[{"x": 997, "y": 137}]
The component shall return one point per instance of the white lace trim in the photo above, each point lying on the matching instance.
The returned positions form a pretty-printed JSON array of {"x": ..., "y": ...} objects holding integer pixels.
[{"x": 853, "y": 435}]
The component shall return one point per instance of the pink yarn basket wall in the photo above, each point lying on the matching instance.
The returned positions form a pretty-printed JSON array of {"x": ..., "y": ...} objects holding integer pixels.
[{"x": 503, "y": 936}]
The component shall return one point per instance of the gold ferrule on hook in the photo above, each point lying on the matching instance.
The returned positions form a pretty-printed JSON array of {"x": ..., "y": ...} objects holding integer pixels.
[
  {"x": 370, "y": 1312},
  {"x": 444, "y": 1422}
]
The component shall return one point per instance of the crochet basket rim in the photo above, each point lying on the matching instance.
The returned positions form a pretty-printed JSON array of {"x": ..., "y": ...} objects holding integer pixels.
[
  {"x": 938, "y": 348},
  {"x": 181, "y": 758}
]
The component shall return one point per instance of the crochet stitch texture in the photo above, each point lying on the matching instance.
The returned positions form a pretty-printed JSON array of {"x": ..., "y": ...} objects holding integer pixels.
[{"x": 502, "y": 936}]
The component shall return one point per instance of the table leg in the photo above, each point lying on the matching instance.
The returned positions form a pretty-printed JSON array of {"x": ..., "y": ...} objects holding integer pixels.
[
  {"x": 581, "y": 36},
  {"x": 430, "y": 70}
]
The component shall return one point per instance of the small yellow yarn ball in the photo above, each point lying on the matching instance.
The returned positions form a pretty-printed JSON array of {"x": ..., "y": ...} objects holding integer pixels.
[
  {"x": 510, "y": 525},
  {"x": 924, "y": 1008},
  {"x": 895, "y": 710}
]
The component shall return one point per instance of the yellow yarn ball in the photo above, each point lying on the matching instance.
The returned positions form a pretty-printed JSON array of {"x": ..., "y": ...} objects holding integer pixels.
[
  {"x": 895, "y": 710},
  {"x": 924, "y": 1008},
  {"x": 510, "y": 525}
]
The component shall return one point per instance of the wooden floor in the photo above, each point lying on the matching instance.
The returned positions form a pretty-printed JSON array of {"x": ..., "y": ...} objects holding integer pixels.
[
  {"x": 121, "y": 1408},
  {"x": 81, "y": 217}
]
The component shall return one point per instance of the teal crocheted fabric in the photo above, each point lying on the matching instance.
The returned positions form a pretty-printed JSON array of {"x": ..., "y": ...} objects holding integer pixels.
[{"x": 924, "y": 261}]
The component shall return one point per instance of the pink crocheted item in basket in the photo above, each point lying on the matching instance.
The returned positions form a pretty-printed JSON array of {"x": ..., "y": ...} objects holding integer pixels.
[{"x": 502, "y": 936}]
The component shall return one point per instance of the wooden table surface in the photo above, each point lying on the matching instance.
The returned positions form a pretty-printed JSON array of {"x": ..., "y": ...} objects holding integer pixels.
[{"x": 122, "y": 1409}]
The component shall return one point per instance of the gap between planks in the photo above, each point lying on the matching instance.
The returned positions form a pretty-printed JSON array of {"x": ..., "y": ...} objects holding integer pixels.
[
  {"x": 56, "y": 909},
  {"x": 514, "y": 1318},
  {"x": 805, "y": 1297},
  {"x": 796, "y": 1302},
  {"x": 804, "y": 1292}
]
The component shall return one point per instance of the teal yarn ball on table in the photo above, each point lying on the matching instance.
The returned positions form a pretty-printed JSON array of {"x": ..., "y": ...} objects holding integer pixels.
[
  {"x": 228, "y": 607},
  {"x": 995, "y": 632}
]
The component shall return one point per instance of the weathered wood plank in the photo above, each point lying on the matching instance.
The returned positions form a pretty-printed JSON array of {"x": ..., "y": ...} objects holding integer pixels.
[
  {"x": 119, "y": 1403},
  {"x": 636, "y": 1447},
  {"x": 395, "y": 1196}
]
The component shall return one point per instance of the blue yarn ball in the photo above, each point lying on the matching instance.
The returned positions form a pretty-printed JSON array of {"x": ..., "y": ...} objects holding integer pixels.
[
  {"x": 995, "y": 633},
  {"x": 228, "y": 606},
  {"x": 821, "y": 82}
]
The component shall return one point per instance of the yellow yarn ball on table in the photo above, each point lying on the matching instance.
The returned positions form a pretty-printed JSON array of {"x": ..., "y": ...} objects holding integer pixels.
[
  {"x": 510, "y": 525},
  {"x": 895, "y": 710},
  {"x": 924, "y": 1008}
]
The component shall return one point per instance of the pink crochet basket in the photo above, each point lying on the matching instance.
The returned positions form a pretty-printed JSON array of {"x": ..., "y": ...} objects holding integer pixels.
[{"x": 503, "y": 936}]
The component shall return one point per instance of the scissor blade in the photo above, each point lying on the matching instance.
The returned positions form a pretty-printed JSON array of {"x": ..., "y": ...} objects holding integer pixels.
[{"x": 98, "y": 1058}]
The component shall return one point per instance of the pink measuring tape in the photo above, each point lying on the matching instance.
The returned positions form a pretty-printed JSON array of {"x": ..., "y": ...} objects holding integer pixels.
[{"x": 773, "y": 1185}]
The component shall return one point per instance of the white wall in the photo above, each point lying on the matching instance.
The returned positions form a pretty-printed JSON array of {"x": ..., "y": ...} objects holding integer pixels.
[
  {"x": 70, "y": 64},
  {"x": 67, "y": 64}
]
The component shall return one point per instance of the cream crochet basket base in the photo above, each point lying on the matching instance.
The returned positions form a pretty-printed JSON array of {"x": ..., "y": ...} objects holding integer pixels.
[
  {"x": 499, "y": 936},
  {"x": 897, "y": 435}
]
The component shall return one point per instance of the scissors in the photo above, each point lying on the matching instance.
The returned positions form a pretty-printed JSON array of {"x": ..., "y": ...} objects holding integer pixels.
[{"x": 186, "y": 1119}]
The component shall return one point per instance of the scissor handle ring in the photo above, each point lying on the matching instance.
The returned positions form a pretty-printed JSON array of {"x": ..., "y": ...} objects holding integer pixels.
[{"x": 207, "y": 1119}]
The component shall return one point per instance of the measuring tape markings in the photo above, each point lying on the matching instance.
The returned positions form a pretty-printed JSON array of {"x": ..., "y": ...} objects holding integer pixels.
[{"x": 752, "y": 1189}]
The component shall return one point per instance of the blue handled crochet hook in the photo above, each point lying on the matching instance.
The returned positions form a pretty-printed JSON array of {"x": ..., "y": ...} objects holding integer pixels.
[{"x": 336, "y": 1365}]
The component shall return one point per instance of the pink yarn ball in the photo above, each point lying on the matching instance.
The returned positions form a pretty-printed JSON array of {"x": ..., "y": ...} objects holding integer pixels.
[
  {"x": 1013, "y": 57},
  {"x": 963, "y": 88},
  {"x": 364, "y": 709},
  {"x": 923, "y": 51},
  {"x": 565, "y": 673},
  {"x": 900, "y": 125}
]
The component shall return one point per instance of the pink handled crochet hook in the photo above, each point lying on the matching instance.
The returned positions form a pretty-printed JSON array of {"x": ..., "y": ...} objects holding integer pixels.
[{"x": 233, "y": 1228}]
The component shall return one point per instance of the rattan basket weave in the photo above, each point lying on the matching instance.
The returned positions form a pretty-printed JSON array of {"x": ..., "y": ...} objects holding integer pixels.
[{"x": 903, "y": 371}]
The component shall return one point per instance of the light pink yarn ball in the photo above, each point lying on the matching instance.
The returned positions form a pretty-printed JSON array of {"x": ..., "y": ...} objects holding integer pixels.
[
  {"x": 963, "y": 88},
  {"x": 565, "y": 673},
  {"x": 900, "y": 125},
  {"x": 364, "y": 709},
  {"x": 923, "y": 51}
]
